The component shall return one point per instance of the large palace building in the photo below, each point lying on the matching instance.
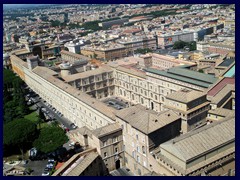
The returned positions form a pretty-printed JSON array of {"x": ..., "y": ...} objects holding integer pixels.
[{"x": 157, "y": 105}]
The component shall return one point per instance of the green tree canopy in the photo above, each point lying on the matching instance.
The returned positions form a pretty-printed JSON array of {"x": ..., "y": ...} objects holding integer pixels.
[
  {"x": 50, "y": 138},
  {"x": 182, "y": 44},
  {"x": 143, "y": 51},
  {"x": 15, "y": 105},
  {"x": 19, "y": 133},
  {"x": 179, "y": 44}
]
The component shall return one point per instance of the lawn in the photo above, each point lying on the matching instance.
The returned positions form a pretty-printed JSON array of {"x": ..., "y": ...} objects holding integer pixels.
[{"x": 34, "y": 118}]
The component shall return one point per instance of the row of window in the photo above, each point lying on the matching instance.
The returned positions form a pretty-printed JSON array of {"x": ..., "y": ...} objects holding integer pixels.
[
  {"x": 105, "y": 154},
  {"x": 114, "y": 139}
]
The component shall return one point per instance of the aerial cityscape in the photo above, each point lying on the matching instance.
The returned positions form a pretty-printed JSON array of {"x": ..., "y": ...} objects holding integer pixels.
[{"x": 119, "y": 90}]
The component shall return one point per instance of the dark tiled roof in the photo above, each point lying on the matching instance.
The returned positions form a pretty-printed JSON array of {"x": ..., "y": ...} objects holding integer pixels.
[{"x": 227, "y": 62}]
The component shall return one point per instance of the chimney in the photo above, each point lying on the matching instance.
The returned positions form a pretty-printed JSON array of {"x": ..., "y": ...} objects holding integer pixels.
[{"x": 32, "y": 62}]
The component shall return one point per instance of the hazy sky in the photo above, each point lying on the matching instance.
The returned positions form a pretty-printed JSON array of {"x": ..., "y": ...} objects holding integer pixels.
[{"x": 20, "y": 5}]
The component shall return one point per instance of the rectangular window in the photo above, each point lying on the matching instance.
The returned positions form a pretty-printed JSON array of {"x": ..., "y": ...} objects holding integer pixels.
[
  {"x": 144, "y": 163},
  {"x": 138, "y": 149},
  {"x": 105, "y": 154},
  {"x": 115, "y": 139},
  {"x": 133, "y": 154},
  {"x": 143, "y": 150},
  {"x": 138, "y": 159}
]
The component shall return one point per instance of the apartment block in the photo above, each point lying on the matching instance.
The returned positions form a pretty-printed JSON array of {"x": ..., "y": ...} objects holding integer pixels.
[{"x": 105, "y": 52}]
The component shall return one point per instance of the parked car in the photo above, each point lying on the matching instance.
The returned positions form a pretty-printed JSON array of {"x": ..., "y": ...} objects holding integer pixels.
[
  {"x": 46, "y": 173},
  {"x": 66, "y": 129},
  {"x": 73, "y": 126},
  {"x": 50, "y": 165},
  {"x": 71, "y": 144},
  {"x": 32, "y": 152},
  {"x": 51, "y": 160},
  {"x": 111, "y": 103}
]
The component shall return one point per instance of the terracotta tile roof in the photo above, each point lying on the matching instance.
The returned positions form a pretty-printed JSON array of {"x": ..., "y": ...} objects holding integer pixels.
[{"x": 220, "y": 85}]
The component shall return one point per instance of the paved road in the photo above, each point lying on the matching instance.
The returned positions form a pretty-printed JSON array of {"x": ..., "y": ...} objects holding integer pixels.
[
  {"x": 121, "y": 172},
  {"x": 36, "y": 166},
  {"x": 60, "y": 119}
]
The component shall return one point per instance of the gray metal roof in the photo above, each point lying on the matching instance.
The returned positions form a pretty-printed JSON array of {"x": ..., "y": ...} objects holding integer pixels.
[
  {"x": 185, "y": 75},
  {"x": 227, "y": 62},
  {"x": 202, "y": 140}
]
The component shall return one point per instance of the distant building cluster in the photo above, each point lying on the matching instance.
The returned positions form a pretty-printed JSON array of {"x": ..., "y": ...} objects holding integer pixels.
[{"x": 165, "y": 111}]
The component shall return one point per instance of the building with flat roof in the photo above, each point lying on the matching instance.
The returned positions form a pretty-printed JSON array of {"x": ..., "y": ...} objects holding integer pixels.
[
  {"x": 133, "y": 43},
  {"x": 221, "y": 48},
  {"x": 110, "y": 51},
  {"x": 73, "y": 57},
  {"x": 168, "y": 40}
]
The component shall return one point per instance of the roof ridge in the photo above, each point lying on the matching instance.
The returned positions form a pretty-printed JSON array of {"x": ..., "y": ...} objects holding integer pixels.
[{"x": 204, "y": 128}]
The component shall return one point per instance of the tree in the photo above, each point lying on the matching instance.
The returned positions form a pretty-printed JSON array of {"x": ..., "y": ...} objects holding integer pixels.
[
  {"x": 41, "y": 118},
  {"x": 50, "y": 138},
  {"x": 18, "y": 133},
  {"x": 182, "y": 44},
  {"x": 192, "y": 46},
  {"x": 143, "y": 51},
  {"x": 179, "y": 45},
  {"x": 15, "y": 105}
]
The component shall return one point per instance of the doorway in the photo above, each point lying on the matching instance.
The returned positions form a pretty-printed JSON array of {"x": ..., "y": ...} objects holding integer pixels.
[{"x": 117, "y": 164}]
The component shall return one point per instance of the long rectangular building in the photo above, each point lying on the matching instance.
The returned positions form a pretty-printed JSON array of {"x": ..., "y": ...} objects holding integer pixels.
[{"x": 77, "y": 106}]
